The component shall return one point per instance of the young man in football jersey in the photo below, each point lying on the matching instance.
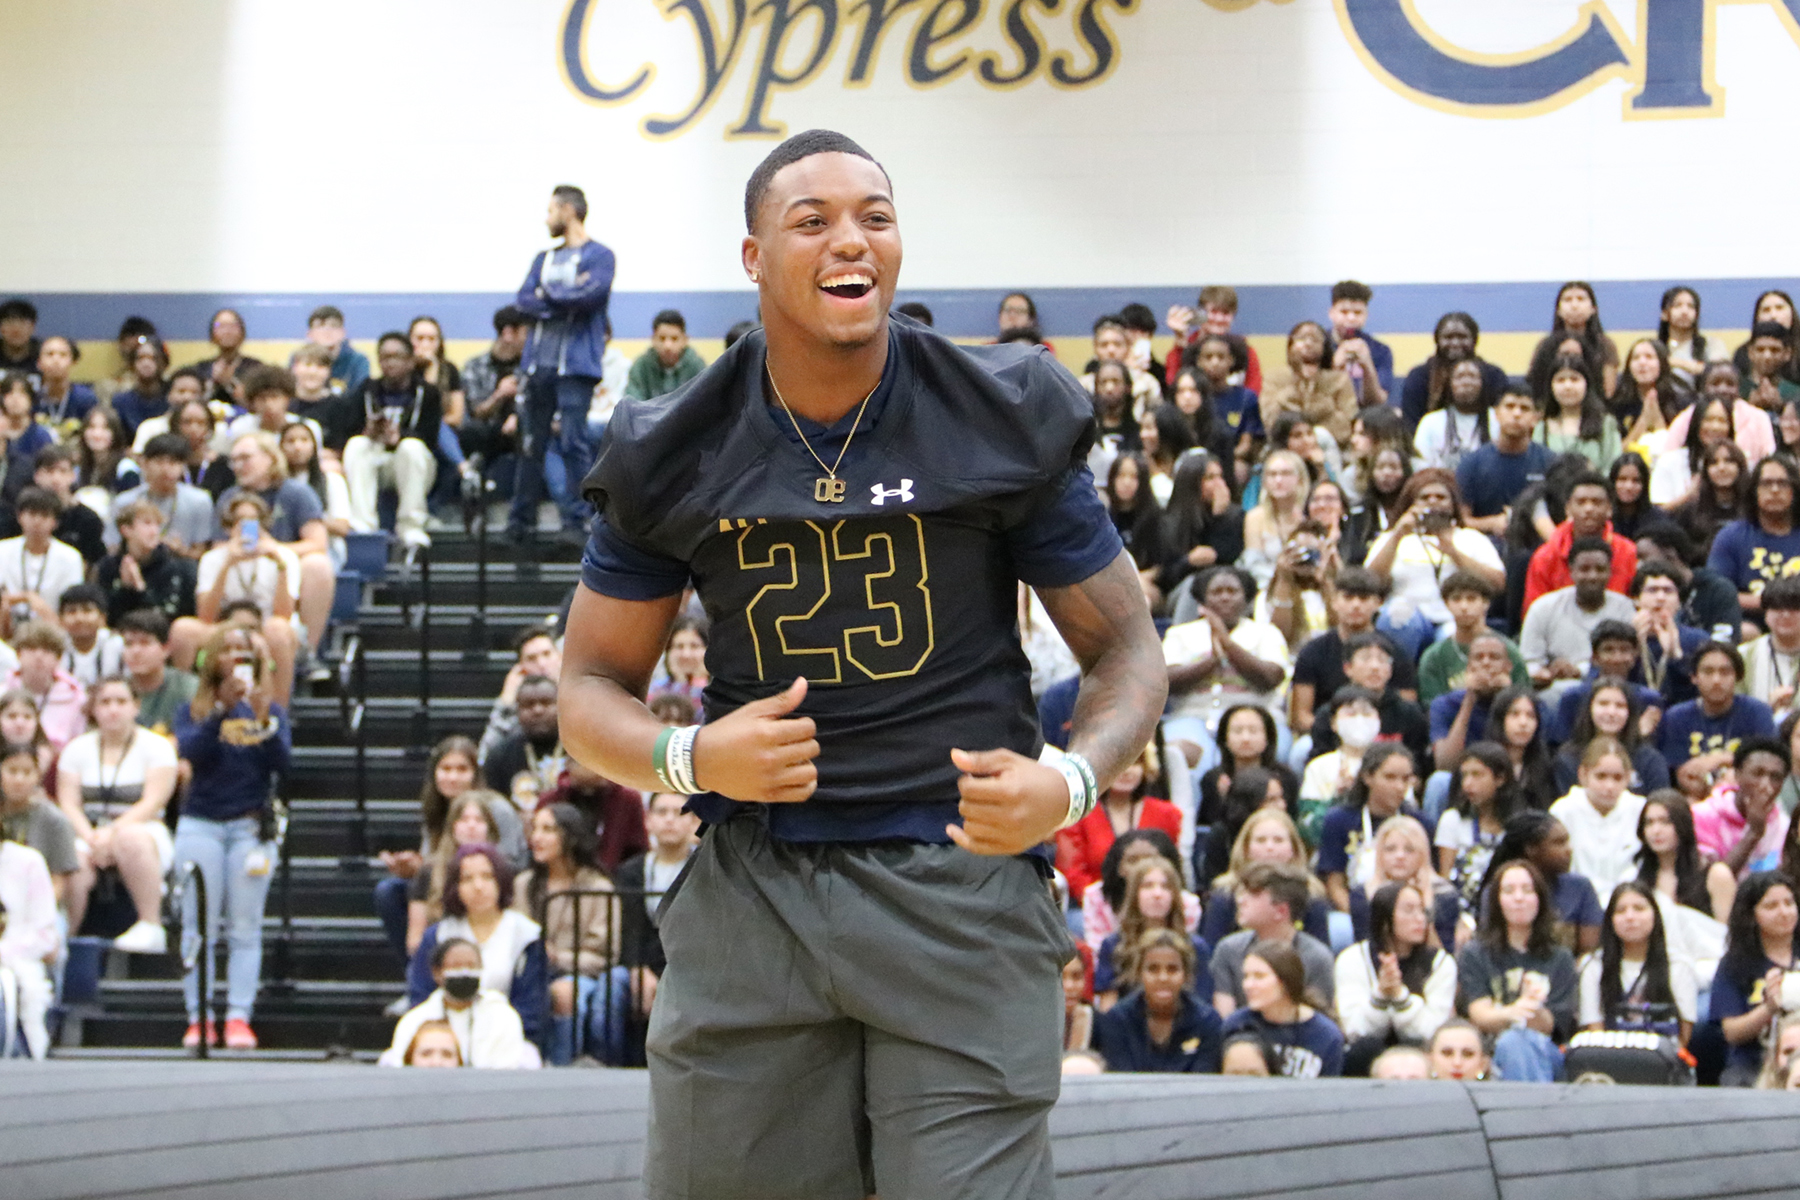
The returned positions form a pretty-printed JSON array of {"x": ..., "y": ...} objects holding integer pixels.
[{"x": 864, "y": 982}]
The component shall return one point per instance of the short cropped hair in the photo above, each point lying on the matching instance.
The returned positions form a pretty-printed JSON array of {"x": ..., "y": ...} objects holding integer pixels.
[
  {"x": 148, "y": 621},
  {"x": 18, "y": 306},
  {"x": 1519, "y": 388},
  {"x": 1763, "y": 745},
  {"x": 574, "y": 197},
  {"x": 801, "y": 145},
  {"x": 1284, "y": 883},
  {"x": 1590, "y": 545},
  {"x": 1363, "y": 641},
  {"x": 668, "y": 316},
  {"x": 37, "y": 500},
  {"x": 1611, "y": 631},
  {"x": 58, "y": 454},
  {"x": 269, "y": 378},
  {"x": 1465, "y": 583},
  {"x": 1661, "y": 570},
  {"x": 1360, "y": 581},
  {"x": 315, "y": 354},
  {"x": 1591, "y": 479},
  {"x": 510, "y": 317},
  {"x": 1219, "y": 296},
  {"x": 1350, "y": 289},
  {"x": 168, "y": 445},
  {"x": 1782, "y": 595},
  {"x": 917, "y": 311},
  {"x": 1138, "y": 318},
  {"x": 324, "y": 313},
  {"x": 41, "y": 635},
  {"x": 139, "y": 510},
  {"x": 1716, "y": 647},
  {"x": 89, "y": 595}
]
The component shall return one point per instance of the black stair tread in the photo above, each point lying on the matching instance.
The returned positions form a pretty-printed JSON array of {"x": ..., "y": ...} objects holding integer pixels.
[
  {"x": 446, "y": 652},
  {"x": 179, "y": 1054},
  {"x": 385, "y": 615},
  {"x": 324, "y": 709},
  {"x": 337, "y": 809},
  {"x": 308, "y": 992}
]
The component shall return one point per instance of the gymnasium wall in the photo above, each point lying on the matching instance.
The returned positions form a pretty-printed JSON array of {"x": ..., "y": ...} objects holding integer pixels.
[{"x": 394, "y": 156}]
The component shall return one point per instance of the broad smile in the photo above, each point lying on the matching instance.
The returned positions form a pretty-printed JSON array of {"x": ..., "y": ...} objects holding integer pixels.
[{"x": 849, "y": 283}]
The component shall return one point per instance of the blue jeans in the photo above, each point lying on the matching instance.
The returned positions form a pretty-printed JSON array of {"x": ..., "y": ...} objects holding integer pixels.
[
  {"x": 223, "y": 851},
  {"x": 1437, "y": 796},
  {"x": 390, "y": 906},
  {"x": 1527, "y": 1056},
  {"x": 544, "y": 397},
  {"x": 599, "y": 1024}
]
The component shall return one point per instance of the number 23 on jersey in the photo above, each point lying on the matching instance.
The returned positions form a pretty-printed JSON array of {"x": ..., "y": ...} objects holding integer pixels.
[{"x": 837, "y": 601}]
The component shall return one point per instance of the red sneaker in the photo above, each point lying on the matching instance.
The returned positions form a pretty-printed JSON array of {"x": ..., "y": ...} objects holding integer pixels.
[
  {"x": 239, "y": 1035},
  {"x": 191, "y": 1039}
]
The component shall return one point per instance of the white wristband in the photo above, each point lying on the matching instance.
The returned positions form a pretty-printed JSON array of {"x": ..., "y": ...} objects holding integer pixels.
[{"x": 1079, "y": 776}]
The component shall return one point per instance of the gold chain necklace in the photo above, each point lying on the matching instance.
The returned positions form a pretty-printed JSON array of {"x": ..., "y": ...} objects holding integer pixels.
[{"x": 828, "y": 488}]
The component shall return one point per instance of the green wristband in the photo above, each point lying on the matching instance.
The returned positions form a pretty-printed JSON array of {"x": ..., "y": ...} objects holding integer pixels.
[{"x": 659, "y": 757}]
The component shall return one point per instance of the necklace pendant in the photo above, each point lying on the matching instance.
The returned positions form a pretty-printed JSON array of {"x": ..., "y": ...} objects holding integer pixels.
[{"x": 828, "y": 489}]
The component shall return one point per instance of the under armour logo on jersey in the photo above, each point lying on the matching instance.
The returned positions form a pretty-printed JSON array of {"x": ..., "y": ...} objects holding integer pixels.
[{"x": 903, "y": 493}]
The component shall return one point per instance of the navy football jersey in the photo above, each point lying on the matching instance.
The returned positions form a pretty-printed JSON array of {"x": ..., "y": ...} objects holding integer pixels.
[{"x": 898, "y": 604}]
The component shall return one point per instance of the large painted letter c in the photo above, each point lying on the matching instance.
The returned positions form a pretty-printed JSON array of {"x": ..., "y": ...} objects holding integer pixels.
[
  {"x": 1404, "y": 50},
  {"x": 574, "y": 61}
]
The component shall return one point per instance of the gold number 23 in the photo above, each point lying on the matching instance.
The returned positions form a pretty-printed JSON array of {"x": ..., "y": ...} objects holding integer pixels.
[{"x": 879, "y": 619}]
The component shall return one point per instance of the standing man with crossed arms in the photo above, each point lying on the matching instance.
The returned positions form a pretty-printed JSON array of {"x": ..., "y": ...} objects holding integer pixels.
[{"x": 863, "y": 991}]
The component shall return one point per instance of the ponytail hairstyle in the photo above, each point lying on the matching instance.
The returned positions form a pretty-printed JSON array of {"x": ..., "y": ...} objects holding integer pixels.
[{"x": 1525, "y": 832}]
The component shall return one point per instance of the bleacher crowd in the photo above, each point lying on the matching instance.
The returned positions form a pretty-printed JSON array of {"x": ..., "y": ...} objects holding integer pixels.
[
  {"x": 1481, "y": 729},
  {"x": 1481, "y": 733}
]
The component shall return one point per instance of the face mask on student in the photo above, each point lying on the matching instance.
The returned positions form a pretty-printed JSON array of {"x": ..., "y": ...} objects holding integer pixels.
[
  {"x": 1358, "y": 731},
  {"x": 462, "y": 985}
]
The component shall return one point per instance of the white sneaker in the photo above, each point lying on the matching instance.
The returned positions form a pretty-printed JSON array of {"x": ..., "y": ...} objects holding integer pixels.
[
  {"x": 143, "y": 938},
  {"x": 415, "y": 537}
]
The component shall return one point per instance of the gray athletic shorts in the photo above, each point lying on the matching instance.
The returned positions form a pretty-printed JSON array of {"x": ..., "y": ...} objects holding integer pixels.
[{"x": 838, "y": 1020}]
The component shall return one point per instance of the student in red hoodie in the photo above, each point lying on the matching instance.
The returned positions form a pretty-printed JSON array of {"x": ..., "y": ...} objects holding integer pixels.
[
  {"x": 1082, "y": 847},
  {"x": 1589, "y": 510}
]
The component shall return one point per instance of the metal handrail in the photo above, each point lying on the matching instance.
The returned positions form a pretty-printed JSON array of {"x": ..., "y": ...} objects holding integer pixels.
[
  {"x": 615, "y": 930},
  {"x": 189, "y": 875},
  {"x": 353, "y": 710},
  {"x": 475, "y": 649},
  {"x": 421, "y": 731}
]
